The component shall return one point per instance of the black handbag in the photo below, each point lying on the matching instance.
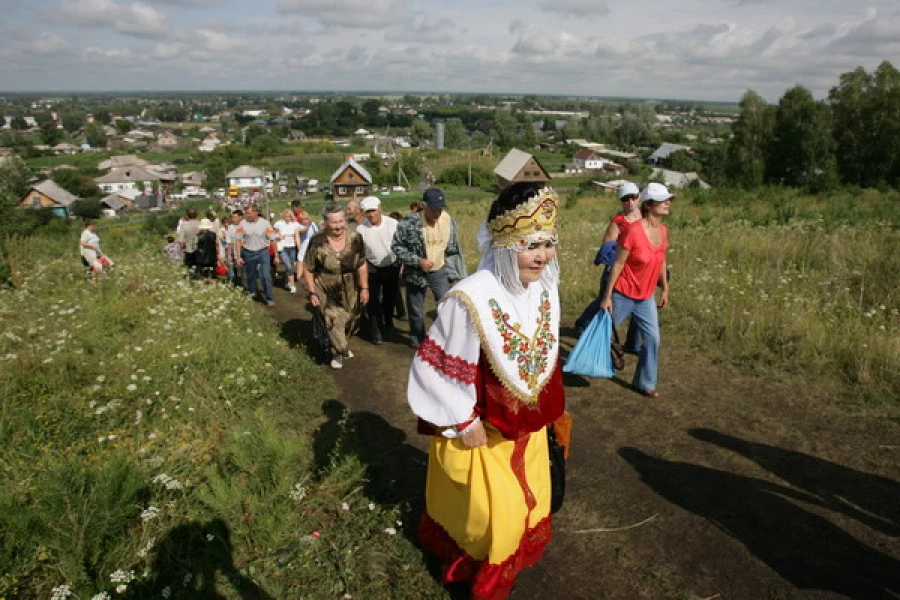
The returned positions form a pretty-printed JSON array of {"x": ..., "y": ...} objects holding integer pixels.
[
  {"x": 321, "y": 341},
  {"x": 557, "y": 470}
]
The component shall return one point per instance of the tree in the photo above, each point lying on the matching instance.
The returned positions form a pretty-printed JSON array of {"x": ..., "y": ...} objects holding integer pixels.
[
  {"x": 95, "y": 135},
  {"x": 19, "y": 123},
  {"x": 14, "y": 177},
  {"x": 683, "y": 161},
  {"x": 801, "y": 150},
  {"x": 421, "y": 132},
  {"x": 51, "y": 133},
  {"x": 72, "y": 119},
  {"x": 746, "y": 154},
  {"x": 76, "y": 182},
  {"x": 455, "y": 134},
  {"x": 867, "y": 125},
  {"x": 123, "y": 126}
]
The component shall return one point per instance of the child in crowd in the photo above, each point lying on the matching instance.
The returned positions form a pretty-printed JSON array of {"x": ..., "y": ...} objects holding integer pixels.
[{"x": 173, "y": 250}]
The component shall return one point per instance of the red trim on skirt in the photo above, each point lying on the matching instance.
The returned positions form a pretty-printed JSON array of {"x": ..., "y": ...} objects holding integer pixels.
[{"x": 489, "y": 582}]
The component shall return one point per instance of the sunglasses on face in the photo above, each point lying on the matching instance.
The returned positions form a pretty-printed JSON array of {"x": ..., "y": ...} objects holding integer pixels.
[{"x": 627, "y": 198}]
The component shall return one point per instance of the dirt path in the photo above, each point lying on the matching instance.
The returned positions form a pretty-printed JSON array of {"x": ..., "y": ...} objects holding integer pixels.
[{"x": 743, "y": 488}]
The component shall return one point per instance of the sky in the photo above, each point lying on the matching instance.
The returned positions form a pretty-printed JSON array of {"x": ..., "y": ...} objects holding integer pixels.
[{"x": 674, "y": 49}]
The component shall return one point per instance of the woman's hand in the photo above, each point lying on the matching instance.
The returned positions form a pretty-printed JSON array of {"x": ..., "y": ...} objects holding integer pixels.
[
  {"x": 663, "y": 299},
  {"x": 314, "y": 300},
  {"x": 606, "y": 304},
  {"x": 364, "y": 296},
  {"x": 475, "y": 436}
]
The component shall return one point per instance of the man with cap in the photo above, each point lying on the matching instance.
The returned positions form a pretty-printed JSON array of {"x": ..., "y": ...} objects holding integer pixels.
[
  {"x": 377, "y": 231},
  {"x": 428, "y": 245}
]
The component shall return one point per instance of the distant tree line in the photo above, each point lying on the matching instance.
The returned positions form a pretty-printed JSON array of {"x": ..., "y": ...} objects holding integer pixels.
[{"x": 853, "y": 137}]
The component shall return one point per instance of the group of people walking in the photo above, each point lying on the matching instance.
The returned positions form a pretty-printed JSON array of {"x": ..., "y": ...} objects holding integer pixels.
[{"x": 485, "y": 382}]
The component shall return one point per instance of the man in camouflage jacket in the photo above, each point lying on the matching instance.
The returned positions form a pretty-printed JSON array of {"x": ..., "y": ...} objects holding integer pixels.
[{"x": 422, "y": 271}]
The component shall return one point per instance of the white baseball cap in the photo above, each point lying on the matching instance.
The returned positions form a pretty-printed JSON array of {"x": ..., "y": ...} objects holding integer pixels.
[
  {"x": 656, "y": 192},
  {"x": 626, "y": 188},
  {"x": 369, "y": 203}
]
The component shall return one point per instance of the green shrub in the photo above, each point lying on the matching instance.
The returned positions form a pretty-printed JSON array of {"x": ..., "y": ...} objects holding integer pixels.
[{"x": 86, "y": 208}]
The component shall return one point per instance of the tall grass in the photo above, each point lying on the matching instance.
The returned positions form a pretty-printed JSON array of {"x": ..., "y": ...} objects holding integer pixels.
[
  {"x": 158, "y": 441},
  {"x": 773, "y": 280}
]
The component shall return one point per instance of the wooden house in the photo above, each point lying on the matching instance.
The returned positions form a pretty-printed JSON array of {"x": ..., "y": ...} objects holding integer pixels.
[
  {"x": 351, "y": 181},
  {"x": 519, "y": 166},
  {"x": 47, "y": 194}
]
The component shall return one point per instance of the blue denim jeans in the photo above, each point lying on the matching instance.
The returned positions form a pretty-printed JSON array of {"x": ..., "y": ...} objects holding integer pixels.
[
  {"x": 415, "y": 302},
  {"x": 288, "y": 256},
  {"x": 632, "y": 339},
  {"x": 258, "y": 264},
  {"x": 643, "y": 313}
]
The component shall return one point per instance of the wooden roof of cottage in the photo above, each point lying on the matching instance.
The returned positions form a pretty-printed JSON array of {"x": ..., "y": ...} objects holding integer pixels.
[
  {"x": 350, "y": 163},
  {"x": 53, "y": 191},
  {"x": 245, "y": 172},
  {"x": 131, "y": 174},
  {"x": 513, "y": 163}
]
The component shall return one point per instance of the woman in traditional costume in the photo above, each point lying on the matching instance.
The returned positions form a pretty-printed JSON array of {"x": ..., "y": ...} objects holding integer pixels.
[{"x": 485, "y": 385}]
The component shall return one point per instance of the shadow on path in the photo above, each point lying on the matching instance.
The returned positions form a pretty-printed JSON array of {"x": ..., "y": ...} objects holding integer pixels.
[
  {"x": 870, "y": 499},
  {"x": 804, "y": 548}
]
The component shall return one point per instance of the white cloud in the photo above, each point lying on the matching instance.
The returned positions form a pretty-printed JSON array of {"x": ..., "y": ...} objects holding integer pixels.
[
  {"x": 423, "y": 30},
  {"x": 349, "y": 13},
  {"x": 576, "y": 8},
  {"x": 136, "y": 19},
  {"x": 47, "y": 43}
]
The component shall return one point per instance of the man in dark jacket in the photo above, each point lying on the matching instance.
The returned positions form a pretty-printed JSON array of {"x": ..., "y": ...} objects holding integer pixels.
[{"x": 428, "y": 245}]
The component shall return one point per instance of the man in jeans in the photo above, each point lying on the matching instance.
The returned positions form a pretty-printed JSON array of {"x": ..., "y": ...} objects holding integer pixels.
[
  {"x": 427, "y": 244},
  {"x": 251, "y": 241},
  {"x": 377, "y": 232}
]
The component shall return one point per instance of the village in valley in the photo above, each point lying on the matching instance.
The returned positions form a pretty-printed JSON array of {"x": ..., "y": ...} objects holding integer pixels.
[{"x": 133, "y": 154}]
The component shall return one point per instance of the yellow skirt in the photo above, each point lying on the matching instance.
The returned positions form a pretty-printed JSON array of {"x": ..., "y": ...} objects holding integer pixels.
[{"x": 493, "y": 503}]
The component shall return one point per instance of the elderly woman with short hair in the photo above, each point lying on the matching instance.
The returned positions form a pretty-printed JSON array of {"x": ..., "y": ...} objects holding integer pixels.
[{"x": 337, "y": 278}]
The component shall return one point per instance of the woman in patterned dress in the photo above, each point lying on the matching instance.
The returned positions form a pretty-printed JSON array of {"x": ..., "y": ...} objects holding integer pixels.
[{"x": 337, "y": 279}]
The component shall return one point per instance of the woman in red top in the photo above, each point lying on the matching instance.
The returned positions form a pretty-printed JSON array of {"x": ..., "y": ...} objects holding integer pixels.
[{"x": 640, "y": 264}]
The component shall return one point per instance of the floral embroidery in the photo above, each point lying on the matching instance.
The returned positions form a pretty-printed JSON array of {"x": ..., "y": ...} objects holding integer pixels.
[
  {"x": 530, "y": 355},
  {"x": 452, "y": 366}
]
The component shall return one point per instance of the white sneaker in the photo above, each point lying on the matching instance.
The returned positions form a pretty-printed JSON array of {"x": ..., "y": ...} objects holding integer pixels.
[
  {"x": 349, "y": 353},
  {"x": 292, "y": 289},
  {"x": 337, "y": 362}
]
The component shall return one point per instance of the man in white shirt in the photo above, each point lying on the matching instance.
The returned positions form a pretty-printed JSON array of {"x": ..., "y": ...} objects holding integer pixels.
[{"x": 377, "y": 232}]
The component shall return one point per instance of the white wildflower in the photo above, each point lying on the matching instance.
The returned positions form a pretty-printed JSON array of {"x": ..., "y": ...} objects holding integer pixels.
[
  {"x": 297, "y": 493},
  {"x": 149, "y": 513},
  {"x": 60, "y": 592},
  {"x": 100, "y": 596},
  {"x": 390, "y": 531},
  {"x": 121, "y": 576}
]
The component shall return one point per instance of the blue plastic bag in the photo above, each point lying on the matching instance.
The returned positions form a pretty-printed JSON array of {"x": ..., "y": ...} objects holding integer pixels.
[{"x": 590, "y": 356}]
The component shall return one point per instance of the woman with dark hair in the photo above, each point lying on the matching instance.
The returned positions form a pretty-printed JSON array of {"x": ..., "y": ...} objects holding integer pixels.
[
  {"x": 485, "y": 385},
  {"x": 337, "y": 279},
  {"x": 640, "y": 265}
]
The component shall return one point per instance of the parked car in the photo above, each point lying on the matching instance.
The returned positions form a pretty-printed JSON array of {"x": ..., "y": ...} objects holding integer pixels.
[{"x": 398, "y": 188}]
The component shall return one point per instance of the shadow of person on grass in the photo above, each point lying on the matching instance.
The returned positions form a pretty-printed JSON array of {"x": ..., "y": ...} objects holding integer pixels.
[
  {"x": 188, "y": 561},
  {"x": 870, "y": 499},
  {"x": 803, "y": 548},
  {"x": 395, "y": 470}
]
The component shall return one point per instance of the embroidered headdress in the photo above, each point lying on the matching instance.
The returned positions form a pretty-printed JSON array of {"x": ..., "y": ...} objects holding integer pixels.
[{"x": 533, "y": 221}]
